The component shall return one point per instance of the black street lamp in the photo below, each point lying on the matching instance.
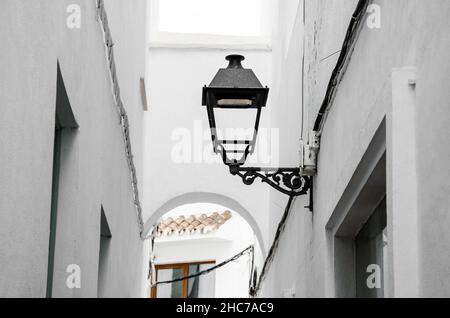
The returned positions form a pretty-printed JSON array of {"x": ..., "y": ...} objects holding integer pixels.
[{"x": 238, "y": 94}]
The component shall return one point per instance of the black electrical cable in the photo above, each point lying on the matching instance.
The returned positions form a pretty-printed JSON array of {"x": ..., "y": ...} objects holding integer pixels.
[
  {"x": 255, "y": 282},
  {"x": 346, "y": 50},
  {"x": 251, "y": 272},
  {"x": 276, "y": 241},
  {"x": 206, "y": 271}
]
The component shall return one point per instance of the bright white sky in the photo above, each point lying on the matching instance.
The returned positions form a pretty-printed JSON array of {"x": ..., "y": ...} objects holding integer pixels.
[{"x": 221, "y": 17}]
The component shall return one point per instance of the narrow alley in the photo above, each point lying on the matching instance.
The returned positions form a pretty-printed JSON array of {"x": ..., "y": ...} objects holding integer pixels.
[{"x": 224, "y": 149}]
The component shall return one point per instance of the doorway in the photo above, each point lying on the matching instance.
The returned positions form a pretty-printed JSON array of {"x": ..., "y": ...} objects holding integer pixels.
[{"x": 194, "y": 237}]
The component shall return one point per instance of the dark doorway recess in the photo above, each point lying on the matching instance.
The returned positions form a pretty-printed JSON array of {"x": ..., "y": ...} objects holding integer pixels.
[{"x": 64, "y": 119}]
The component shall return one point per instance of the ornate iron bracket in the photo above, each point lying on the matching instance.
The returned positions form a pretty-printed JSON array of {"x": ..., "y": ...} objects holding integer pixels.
[{"x": 286, "y": 180}]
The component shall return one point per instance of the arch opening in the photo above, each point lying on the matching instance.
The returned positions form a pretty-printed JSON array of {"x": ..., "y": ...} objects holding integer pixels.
[
  {"x": 205, "y": 197},
  {"x": 195, "y": 232}
]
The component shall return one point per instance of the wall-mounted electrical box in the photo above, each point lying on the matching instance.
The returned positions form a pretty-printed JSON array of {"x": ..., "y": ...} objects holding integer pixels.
[{"x": 308, "y": 154}]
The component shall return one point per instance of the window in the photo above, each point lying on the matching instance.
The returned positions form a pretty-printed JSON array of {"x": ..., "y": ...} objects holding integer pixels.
[
  {"x": 105, "y": 242},
  {"x": 64, "y": 123},
  {"x": 54, "y": 208},
  {"x": 358, "y": 228},
  {"x": 370, "y": 253},
  {"x": 198, "y": 287},
  {"x": 211, "y": 23}
]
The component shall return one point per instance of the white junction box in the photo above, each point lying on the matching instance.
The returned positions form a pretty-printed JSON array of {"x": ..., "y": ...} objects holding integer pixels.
[{"x": 308, "y": 154}]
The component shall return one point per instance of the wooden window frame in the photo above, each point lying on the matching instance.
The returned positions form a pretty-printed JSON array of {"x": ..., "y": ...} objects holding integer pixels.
[{"x": 185, "y": 268}]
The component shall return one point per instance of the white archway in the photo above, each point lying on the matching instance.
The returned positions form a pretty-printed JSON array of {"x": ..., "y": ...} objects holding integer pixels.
[{"x": 205, "y": 197}]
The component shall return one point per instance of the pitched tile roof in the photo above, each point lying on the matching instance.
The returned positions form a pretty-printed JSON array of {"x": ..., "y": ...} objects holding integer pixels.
[{"x": 192, "y": 224}]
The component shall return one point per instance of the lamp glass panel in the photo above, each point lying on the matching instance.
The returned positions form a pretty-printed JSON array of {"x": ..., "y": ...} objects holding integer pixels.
[
  {"x": 231, "y": 102},
  {"x": 235, "y": 124}
]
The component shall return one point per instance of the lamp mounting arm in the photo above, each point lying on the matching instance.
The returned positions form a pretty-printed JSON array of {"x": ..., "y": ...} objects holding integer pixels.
[{"x": 286, "y": 180}]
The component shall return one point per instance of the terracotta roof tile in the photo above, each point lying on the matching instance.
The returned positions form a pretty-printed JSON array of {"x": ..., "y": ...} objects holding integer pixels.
[{"x": 192, "y": 224}]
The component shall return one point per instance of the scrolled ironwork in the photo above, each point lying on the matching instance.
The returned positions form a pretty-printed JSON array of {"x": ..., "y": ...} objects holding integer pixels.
[{"x": 286, "y": 180}]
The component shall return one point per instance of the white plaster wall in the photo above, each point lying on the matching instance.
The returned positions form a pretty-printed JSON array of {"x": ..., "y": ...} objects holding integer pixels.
[
  {"x": 175, "y": 80},
  {"x": 287, "y": 117},
  {"x": 28, "y": 95},
  {"x": 34, "y": 36},
  {"x": 399, "y": 42},
  {"x": 412, "y": 34}
]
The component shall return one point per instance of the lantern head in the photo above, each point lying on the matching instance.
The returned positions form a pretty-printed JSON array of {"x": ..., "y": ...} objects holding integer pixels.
[{"x": 234, "y": 100}]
